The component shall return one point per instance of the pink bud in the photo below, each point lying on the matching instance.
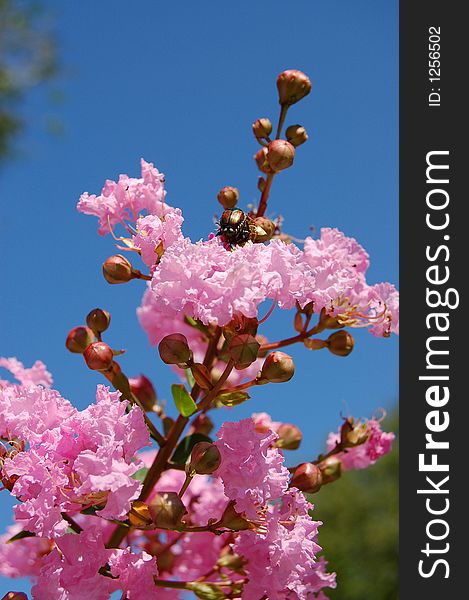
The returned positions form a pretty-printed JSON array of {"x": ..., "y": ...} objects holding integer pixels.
[
  {"x": 98, "y": 320},
  {"x": 261, "y": 160},
  {"x": 340, "y": 343},
  {"x": 292, "y": 86},
  {"x": 99, "y": 356},
  {"x": 174, "y": 350},
  {"x": 278, "y": 367},
  {"x": 228, "y": 197},
  {"x": 307, "y": 478},
  {"x": 166, "y": 510},
  {"x": 205, "y": 459},
  {"x": 78, "y": 339},
  {"x": 117, "y": 269},
  {"x": 280, "y": 155},
  {"x": 143, "y": 389}
]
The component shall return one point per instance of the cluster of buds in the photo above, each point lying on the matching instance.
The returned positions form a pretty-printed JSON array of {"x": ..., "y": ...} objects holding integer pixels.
[
  {"x": 278, "y": 154},
  {"x": 98, "y": 355}
]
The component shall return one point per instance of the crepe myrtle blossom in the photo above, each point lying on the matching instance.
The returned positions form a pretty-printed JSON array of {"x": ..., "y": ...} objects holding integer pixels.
[
  {"x": 87, "y": 458},
  {"x": 283, "y": 561},
  {"x": 251, "y": 469},
  {"x": 125, "y": 199},
  {"x": 378, "y": 443},
  {"x": 35, "y": 375}
]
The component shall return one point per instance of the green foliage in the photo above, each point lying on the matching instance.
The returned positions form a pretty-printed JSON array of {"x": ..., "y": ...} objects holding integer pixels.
[
  {"x": 27, "y": 59},
  {"x": 360, "y": 531}
]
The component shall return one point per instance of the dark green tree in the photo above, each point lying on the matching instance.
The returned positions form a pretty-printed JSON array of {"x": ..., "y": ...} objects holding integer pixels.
[
  {"x": 27, "y": 59},
  {"x": 360, "y": 532}
]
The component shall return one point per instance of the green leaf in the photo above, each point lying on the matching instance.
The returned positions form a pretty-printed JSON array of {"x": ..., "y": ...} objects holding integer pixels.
[
  {"x": 21, "y": 535},
  {"x": 182, "y": 452},
  {"x": 232, "y": 398},
  {"x": 183, "y": 400},
  {"x": 189, "y": 377},
  {"x": 206, "y": 591},
  {"x": 140, "y": 474}
]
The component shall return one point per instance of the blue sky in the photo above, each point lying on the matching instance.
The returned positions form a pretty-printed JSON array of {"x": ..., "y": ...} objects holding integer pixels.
[{"x": 180, "y": 84}]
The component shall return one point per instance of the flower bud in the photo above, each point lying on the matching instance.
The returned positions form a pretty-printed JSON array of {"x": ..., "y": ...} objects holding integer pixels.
[
  {"x": 263, "y": 230},
  {"x": 202, "y": 376},
  {"x": 292, "y": 86},
  {"x": 280, "y": 155},
  {"x": 166, "y": 510},
  {"x": 352, "y": 434},
  {"x": 15, "y": 596},
  {"x": 240, "y": 324},
  {"x": 206, "y": 591},
  {"x": 340, "y": 343},
  {"x": 98, "y": 320},
  {"x": 331, "y": 469},
  {"x": 79, "y": 339},
  {"x": 243, "y": 350},
  {"x": 307, "y": 478},
  {"x": 117, "y": 269},
  {"x": 262, "y": 128},
  {"x": 234, "y": 520},
  {"x": 228, "y": 197},
  {"x": 278, "y": 367},
  {"x": 174, "y": 350},
  {"x": 99, "y": 356},
  {"x": 289, "y": 437},
  {"x": 202, "y": 424},
  {"x": 261, "y": 159},
  {"x": 143, "y": 389},
  {"x": 139, "y": 515},
  {"x": 296, "y": 135},
  {"x": 205, "y": 459}
]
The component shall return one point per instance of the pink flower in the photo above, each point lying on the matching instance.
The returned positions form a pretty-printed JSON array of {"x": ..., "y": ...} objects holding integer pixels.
[
  {"x": 22, "y": 558},
  {"x": 26, "y": 412},
  {"x": 36, "y": 375},
  {"x": 377, "y": 445},
  {"x": 73, "y": 573},
  {"x": 282, "y": 562},
  {"x": 89, "y": 458},
  {"x": 126, "y": 199},
  {"x": 251, "y": 470},
  {"x": 135, "y": 574},
  {"x": 155, "y": 234}
]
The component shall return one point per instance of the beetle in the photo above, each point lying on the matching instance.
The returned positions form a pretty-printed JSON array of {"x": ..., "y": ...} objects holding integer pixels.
[{"x": 234, "y": 227}]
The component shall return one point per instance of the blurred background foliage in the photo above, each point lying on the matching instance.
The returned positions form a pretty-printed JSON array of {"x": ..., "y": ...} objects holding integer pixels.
[
  {"x": 28, "y": 58},
  {"x": 360, "y": 512}
]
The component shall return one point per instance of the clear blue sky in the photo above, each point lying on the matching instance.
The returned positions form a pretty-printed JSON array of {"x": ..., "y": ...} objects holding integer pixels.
[{"x": 180, "y": 83}]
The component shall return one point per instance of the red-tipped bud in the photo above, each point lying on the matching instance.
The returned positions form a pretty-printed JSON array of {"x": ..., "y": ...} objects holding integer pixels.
[
  {"x": 280, "y": 155},
  {"x": 99, "y": 356},
  {"x": 174, "y": 350},
  {"x": 331, "y": 469},
  {"x": 202, "y": 376},
  {"x": 166, "y": 510},
  {"x": 139, "y": 515},
  {"x": 79, "y": 339},
  {"x": 205, "y": 459},
  {"x": 278, "y": 367},
  {"x": 262, "y": 230},
  {"x": 15, "y": 596},
  {"x": 292, "y": 86},
  {"x": 307, "y": 478},
  {"x": 143, "y": 389},
  {"x": 228, "y": 197},
  {"x": 117, "y": 269},
  {"x": 289, "y": 437},
  {"x": 296, "y": 135},
  {"x": 262, "y": 128},
  {"x": 261, "y": 160},
  {"x": 202, "y": 424},
  {"x": 98, "y": 320},
  {"x": 340, "y": 343},
  {"x": 243, "y": 350}
]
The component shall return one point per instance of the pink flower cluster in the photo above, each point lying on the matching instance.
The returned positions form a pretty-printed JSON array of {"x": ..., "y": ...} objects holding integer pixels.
[{"x": 378, "y": 444}]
